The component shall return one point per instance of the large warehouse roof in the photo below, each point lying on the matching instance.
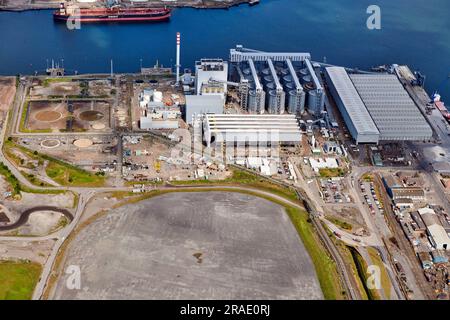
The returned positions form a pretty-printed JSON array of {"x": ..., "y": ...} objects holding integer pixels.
[
  {"x": 351, "y": 101},
  {"x": 252, "y": 128},
  {"x": 201, "y": 104},
  {"x": 391, "y": 108}
]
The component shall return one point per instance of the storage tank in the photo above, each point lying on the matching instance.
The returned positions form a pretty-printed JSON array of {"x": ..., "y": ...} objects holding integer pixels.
[
  {"x": 284, "y": 72},
  {"x": 295, "y": 102},
  {"x": 252, "y": 102},
  {"x": 289, "y": 86},
  {"x": 306, "y": 79},
  {"x": 268, "y": 79},
  {"x": 266, "y": 72},
  {"x": 315, "y": 102},
  {"x": 304, "y": 72},
  {"x": 308, "y": 86},
  {"x": 287, "y": 79},
  {"x": 272, "y": 102},
  {"x": 271, "y": 86}
]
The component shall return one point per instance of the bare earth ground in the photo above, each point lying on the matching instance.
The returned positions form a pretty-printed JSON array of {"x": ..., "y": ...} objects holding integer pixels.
[
  {"x": 7, "y": 92},
  {"x": 208, "y": 246},
  {"x": 37, "y": 251}
]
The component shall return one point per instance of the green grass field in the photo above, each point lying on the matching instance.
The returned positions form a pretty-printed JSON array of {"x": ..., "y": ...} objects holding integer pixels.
[
  {"x": 18, "y": 279},
  {"x": 68, "y": 175},
  {"x": 331, "y": 172},
  {"x": 325, "y": 266}
]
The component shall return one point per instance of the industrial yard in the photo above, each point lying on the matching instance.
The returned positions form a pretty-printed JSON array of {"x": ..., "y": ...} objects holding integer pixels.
[{"x": 374, "y": 181}]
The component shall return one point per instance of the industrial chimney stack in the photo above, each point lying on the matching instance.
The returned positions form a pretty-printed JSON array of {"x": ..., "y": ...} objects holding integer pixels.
[{"x": 178, "y": 65}]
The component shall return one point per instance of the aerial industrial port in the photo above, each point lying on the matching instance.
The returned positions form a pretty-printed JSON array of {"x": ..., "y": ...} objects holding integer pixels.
[{"x": 267, "y": 175}]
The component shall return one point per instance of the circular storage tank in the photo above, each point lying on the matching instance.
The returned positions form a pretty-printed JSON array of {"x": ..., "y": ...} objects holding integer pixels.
[
  {"x": 304, "y": 72},
  {"x": 268, "y": 79},
  {"x": 289, "y": 86},
  {"x": 266, "y": 72},
  {"x": 252, "y": 102},
  {"x": 284, "y": 72},
  {"x": 313, "y": 102},
  {"x": 272, "y": 102},
  {"x": 306, "y": 78},
  {"x": 293, "y": 105},
  {"x": 287, "y": 79},
  {"x": 270, "y": 86},
  {"x": 308, "y": 86}
]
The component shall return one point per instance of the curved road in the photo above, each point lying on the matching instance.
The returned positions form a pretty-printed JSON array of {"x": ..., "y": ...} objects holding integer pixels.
[{"x": 26, "y": 214}]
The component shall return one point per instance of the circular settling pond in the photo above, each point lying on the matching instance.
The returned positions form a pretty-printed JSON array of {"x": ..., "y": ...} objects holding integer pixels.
[
  {"x": 48, "y": 116},
  {"x": 91, "y": 115}
]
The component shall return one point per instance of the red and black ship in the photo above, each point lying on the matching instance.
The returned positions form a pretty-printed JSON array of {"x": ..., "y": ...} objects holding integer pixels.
[{"x": 112, "y": 14}]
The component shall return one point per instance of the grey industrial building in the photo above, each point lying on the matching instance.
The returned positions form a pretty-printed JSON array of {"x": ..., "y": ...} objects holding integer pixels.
[
  {"x": 356, "y": 117},
  {"x": 251, "y": 129},
  {"x": 201, "y": 104},
  {"x": 277, "y": 82},
  {"x": 376, "y": 107},
  {"x": 391, "y": 108}
]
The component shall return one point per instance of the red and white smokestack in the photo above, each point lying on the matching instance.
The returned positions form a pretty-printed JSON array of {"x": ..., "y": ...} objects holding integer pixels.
[{"x": 178, "y": 65}]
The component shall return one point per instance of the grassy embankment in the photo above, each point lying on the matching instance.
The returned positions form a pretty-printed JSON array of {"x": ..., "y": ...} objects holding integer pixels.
[
  {"x": 244, "y": 178},
  {"x": 18, "y": 279},
  {"x": 61, "y": 172},
  {"x": 10, "y": 179},
  {"x": 361, "y": 264},
  {"x": 385, "y": 280},
  {"x": 342, "y": 224}
]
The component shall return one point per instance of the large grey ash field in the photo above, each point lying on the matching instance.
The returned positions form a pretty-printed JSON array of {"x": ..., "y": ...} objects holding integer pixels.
[{"x": 211, "y": 245}]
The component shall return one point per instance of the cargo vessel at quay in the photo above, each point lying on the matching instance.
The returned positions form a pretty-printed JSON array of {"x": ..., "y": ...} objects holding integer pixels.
[{"x": 111, "y": 14}]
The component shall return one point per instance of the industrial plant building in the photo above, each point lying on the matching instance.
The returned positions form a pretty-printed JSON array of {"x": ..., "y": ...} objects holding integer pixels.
[
  {"x": 277, "y": 82},
  {"x": 202, "y": 104},
  {"x": 356, "y": 117},
  {"x": 211, "y": 76},
  {"x": 436, "y": 232},
  {"x": 251, "y": 129},
  {"x": 376, "y": 107},
  {"x": 391, "y": 108}
]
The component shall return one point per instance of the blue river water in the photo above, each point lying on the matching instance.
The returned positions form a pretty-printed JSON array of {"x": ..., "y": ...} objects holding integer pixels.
[{"x": 414, "y": 32}]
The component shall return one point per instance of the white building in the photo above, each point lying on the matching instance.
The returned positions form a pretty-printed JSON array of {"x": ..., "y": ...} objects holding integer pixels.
[
  {"x": 251, "y": 129},
  {"x": 211, "y": 69},
  {"x": 437, "y": 234}
]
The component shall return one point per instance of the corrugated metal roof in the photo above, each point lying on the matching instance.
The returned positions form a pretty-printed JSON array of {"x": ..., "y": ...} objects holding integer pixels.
[
  {"x": 355, "y": 107},
  {"x": 391, "y": 108}
]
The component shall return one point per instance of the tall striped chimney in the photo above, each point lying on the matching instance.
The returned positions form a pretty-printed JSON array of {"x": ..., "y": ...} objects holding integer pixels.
[{"x": 178, "y": 65}]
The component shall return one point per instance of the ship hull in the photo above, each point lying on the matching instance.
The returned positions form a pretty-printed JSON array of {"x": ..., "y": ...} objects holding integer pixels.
[{"x": 111, "y": 16}]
